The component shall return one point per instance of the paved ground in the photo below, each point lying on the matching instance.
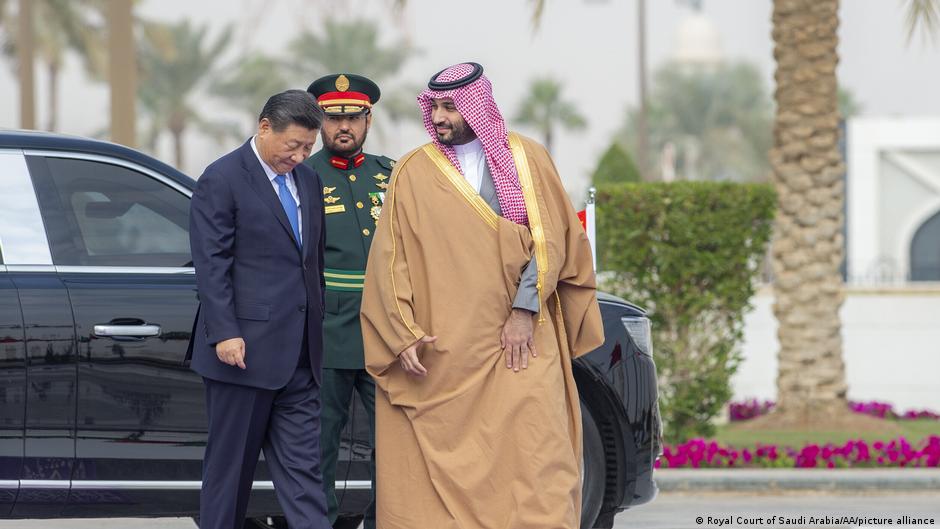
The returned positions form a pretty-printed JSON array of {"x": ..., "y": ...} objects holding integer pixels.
[
  {"x": 679, "y": 510},
  {"x": 799, "y": 479},
  {"x": 672, "y": 510}
]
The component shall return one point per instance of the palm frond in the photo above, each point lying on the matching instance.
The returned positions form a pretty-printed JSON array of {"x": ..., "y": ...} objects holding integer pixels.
[
  {"x": 923, "y": 15},
  {"x": 538, "y": 9}
]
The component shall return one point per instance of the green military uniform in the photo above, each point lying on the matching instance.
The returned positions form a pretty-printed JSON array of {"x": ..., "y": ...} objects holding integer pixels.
[
  {"x": 352, "y": 199},
  {"x": 353, "y": 194}
]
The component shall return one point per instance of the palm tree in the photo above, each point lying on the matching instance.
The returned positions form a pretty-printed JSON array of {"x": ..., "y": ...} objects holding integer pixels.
[
  {"x": 175, "y": 62},
  {"x": 808, "y": 247},
  {"x": 122, "y": 69},
  {"x": 922, "y": 14},
  {"x": 640, "y": 140},
  {"x": 399, "y": 104},
  {"x": 544, "y": 109},
  {"x": 718, "y": 119},
  {"x": 250, "y": 82},
  {"x": 807, "y": 168},
  {"x": 55, "y": 28},
  {"x": 352, "y": 46},
  {"x": 348, "y": 46}
]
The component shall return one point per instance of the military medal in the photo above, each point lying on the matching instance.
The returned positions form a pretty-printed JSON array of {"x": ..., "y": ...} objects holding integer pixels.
[
  {"x": 377, "y": 200},
  {"x": 331, "y": 199},
  {"x": 328, "y": 190}
]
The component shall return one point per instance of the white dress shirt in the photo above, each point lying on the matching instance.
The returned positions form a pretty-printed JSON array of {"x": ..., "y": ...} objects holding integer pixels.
[
  {"x": 472, "y": 160},
  {"x": 291, "y": 186}
]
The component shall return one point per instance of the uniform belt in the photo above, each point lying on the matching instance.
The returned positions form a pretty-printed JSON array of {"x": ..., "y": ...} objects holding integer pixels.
[{"x": 344, "y": 280}]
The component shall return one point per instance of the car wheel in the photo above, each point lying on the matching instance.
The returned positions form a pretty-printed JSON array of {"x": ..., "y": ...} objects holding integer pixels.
[{"x": 593, "y": 471}]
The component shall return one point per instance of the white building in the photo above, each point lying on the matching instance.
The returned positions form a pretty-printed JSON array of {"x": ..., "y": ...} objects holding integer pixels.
[
  {"x": 891, "y": 315},
  {"x": 893, "y": 200}
]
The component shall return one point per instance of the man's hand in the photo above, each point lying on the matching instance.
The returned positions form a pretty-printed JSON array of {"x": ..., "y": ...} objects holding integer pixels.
[
  {"x": 231, "y": 351},
  {"x": 517, "y": 341},
  {"x": 409, "y": 358}
]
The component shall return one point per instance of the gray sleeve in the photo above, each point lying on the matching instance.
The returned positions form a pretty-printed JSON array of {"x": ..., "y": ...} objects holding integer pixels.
[{"x": 527, "y": 297}]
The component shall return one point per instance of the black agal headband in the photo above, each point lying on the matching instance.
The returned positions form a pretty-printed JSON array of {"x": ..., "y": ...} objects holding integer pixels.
[{"x": 433, "y": 84}]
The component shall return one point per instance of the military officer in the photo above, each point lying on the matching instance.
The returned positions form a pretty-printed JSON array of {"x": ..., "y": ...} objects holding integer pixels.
[{"x": 354, "y": 185}]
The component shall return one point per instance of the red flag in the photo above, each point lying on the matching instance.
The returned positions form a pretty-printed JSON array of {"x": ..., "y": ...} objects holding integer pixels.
[{"x": 588, "y": 218}]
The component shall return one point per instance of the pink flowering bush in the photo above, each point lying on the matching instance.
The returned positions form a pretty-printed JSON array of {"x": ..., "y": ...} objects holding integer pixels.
[
  {"x": 699, "y": 453},
  {"x": 742, "y": 411}
]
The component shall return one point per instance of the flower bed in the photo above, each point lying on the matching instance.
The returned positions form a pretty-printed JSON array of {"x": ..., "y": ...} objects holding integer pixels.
[
  {"x": 700, "y": 453},
  {"x": 742, "y": 411}
]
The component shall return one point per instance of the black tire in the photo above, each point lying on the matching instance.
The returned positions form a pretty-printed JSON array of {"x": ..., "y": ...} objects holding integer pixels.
[{"x": 594, "y": 470}]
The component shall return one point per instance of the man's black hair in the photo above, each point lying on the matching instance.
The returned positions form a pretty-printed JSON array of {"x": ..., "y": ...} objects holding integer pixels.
[{"x": 297, "y": 107}]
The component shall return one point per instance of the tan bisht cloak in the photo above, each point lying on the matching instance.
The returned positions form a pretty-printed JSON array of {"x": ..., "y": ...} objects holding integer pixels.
[{"x": 474, "y": 445}]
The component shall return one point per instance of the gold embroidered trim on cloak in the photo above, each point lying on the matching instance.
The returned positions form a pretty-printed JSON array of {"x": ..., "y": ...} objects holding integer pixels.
[
  {"x": 532, "y": 211},
  {"x": 458, "y": 181},
  {"x": 391, "y": 231}
]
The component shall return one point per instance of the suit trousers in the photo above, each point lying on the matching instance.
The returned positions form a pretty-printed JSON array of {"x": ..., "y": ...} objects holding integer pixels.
[
  {"x": 284, "y": 423},
  {"x": 337, "y": 392}
]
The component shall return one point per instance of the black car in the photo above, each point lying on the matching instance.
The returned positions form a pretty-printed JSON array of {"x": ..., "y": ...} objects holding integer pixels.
[{"x": 99, "y": 416}]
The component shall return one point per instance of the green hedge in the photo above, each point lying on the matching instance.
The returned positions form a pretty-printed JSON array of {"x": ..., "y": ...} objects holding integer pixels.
[{"x": 689, "y": 252}]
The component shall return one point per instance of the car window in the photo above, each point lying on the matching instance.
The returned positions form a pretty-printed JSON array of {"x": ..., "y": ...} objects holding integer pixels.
[{"x": 102, "y": 214}]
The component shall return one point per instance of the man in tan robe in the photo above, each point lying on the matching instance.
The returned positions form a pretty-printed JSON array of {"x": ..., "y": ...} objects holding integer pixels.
[{"x": 478, "y": 424}]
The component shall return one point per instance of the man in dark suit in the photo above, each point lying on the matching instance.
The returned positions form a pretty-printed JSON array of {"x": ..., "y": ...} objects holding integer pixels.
[{"x": 257, "y": 236}]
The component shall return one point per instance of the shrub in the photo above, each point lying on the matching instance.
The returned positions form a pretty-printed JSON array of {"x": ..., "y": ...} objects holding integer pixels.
[
  {"x": 689, "y": 253},
  {"x": 699, "y": 453},
  {"x": 615, "y": 166},
  {"x": 742, "y": 411}
]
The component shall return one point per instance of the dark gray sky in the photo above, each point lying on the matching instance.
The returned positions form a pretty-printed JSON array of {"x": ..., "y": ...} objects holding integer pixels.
[{"x": 589, "y": 45}]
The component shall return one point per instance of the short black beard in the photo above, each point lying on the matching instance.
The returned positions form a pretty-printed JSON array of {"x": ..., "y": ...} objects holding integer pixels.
[
  {"x": 346, "y": 153},
  {"x": 466, "y": 136}
]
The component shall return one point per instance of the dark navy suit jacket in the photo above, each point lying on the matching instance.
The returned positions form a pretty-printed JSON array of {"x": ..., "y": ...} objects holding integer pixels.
[{"x": 253, "y": 280}]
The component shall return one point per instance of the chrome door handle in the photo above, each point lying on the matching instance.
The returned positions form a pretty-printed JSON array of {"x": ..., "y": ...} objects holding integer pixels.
[{"x": 127, "y": 330}]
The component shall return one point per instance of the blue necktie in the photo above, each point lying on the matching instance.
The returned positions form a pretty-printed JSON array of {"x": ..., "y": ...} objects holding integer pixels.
[{"x": 287, "y": 202}]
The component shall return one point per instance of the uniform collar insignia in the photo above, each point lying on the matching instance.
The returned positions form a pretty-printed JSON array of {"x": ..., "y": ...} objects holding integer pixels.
[{"x": 342, "y": 163}]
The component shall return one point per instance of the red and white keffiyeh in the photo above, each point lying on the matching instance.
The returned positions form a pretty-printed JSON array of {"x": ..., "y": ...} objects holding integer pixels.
[{"x": 478, "y": 108}]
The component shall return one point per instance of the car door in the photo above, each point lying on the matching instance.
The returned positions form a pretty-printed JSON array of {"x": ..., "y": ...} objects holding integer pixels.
[
  {"x": 12, "y": 391},
  {"x": 38, "y": 352},
  {"x": 120, "y": 244},
  {"x": 12, "y": 363}
]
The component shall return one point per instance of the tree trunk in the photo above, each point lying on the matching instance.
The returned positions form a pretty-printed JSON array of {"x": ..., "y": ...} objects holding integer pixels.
[
  {"x": 808, "y": 243},
  {"x": 548, "y": 140},
  {"x": 53, "y": 96},
  {"x": 642, "y": 148},
  {"x": 122, "y": 72},
  {"x": 25, "y": 50},
  {"x": 177, "y": 147}
]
